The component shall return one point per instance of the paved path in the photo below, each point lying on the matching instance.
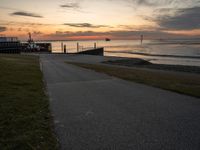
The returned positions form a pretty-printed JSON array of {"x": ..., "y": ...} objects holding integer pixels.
[{"x": 93, "y": 111}]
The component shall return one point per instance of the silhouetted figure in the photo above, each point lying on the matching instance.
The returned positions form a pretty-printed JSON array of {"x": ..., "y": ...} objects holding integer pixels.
[{"x": 141, "y": 38}]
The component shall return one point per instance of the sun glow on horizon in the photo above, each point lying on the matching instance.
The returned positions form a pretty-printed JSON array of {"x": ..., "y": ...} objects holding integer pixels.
[{"x": 76, "y": 19}]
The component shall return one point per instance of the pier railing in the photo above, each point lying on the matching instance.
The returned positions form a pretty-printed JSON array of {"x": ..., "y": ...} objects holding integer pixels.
[
  {"x": 80, "y": 49},
  {"x": 76, "y": 48}
]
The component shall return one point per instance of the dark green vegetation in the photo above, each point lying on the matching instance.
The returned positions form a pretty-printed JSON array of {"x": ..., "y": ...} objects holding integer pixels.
[
  {"x": 25, "y": 121},
  {"x": 184, "y": 83}
]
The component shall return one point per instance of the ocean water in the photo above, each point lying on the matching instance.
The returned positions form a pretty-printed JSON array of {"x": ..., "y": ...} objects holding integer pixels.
[{"x": 178, "y": 52}]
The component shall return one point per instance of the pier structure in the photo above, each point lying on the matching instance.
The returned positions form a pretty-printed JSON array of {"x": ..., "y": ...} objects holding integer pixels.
[
  {"x": 9, "y": 45},
  {"x": 86, "y": 51}
]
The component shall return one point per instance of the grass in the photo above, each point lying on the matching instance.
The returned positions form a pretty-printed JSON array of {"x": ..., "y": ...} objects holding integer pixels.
[
  {"x": 25, "y": 120},
  {"x": 188, "y": 84}
]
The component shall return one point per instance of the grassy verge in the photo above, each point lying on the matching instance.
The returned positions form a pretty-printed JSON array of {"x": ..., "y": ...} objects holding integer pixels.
[
  {"x": 188, "y": 84},
  {"x": 25, "y": 121},
  {"x": 139, "y": 63}
]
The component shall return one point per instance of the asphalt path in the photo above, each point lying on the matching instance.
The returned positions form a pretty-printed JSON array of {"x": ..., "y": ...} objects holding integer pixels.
[{"x": 93, "y": 111}]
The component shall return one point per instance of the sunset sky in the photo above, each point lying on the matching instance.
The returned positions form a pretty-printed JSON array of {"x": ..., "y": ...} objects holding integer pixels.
[{"x": 97, "y": 19}]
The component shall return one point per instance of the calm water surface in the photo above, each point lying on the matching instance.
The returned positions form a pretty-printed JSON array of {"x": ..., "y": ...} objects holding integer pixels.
[{"x": 188, "y": 51}]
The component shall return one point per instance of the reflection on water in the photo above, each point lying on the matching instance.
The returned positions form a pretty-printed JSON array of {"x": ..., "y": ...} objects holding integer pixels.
[{"x": 133, "y": 48}]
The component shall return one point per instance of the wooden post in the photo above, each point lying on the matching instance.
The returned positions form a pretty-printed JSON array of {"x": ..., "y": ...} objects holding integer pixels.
[
  {"x": 65, "y": 49},
  {"x": 62, "y": 46},
  {"x": 141, "y": 38},
  {"x": 95, "y": 45},
  {"x": 77, "y": 47}
]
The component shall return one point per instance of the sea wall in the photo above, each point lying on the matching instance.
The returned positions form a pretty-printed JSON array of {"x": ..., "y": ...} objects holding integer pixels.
[{"x": 97, "y": 51}]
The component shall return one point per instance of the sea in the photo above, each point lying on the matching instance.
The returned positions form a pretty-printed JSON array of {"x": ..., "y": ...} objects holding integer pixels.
[{"x": 175, "y": 52}]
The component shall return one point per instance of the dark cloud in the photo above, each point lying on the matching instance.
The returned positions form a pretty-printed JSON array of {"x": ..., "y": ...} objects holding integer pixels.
[
  {"x": 29, "y": 24},
  {"x": 165, "y": 3},
  {"x": 70, "y": 5},
  {"x": 184, "y": 19},
  {"x": 37, "y": 32},
  {"x": 8, "y": 8},
  {"x": 145, "y": 2},
  {"x": 27, "y": 14},
  {"x": 116, "y": 34},
  {"x": 136, "y": 27},
  {"x": 2, "y": 29},
  {"x": 154, "y": 2},
  {"x": 84, "y": 25},
  {"x": 79, "y": 33}
]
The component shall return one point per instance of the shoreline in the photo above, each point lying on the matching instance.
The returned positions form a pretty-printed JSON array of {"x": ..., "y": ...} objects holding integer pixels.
[
  {"x": 141, "y": 63},
  {"x": 155, "y": 55}
]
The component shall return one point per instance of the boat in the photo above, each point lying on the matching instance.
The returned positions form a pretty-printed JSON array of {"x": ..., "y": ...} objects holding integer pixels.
[
  {"x": 107, "y": 39},
  {"x": 32, "y": 46}
]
